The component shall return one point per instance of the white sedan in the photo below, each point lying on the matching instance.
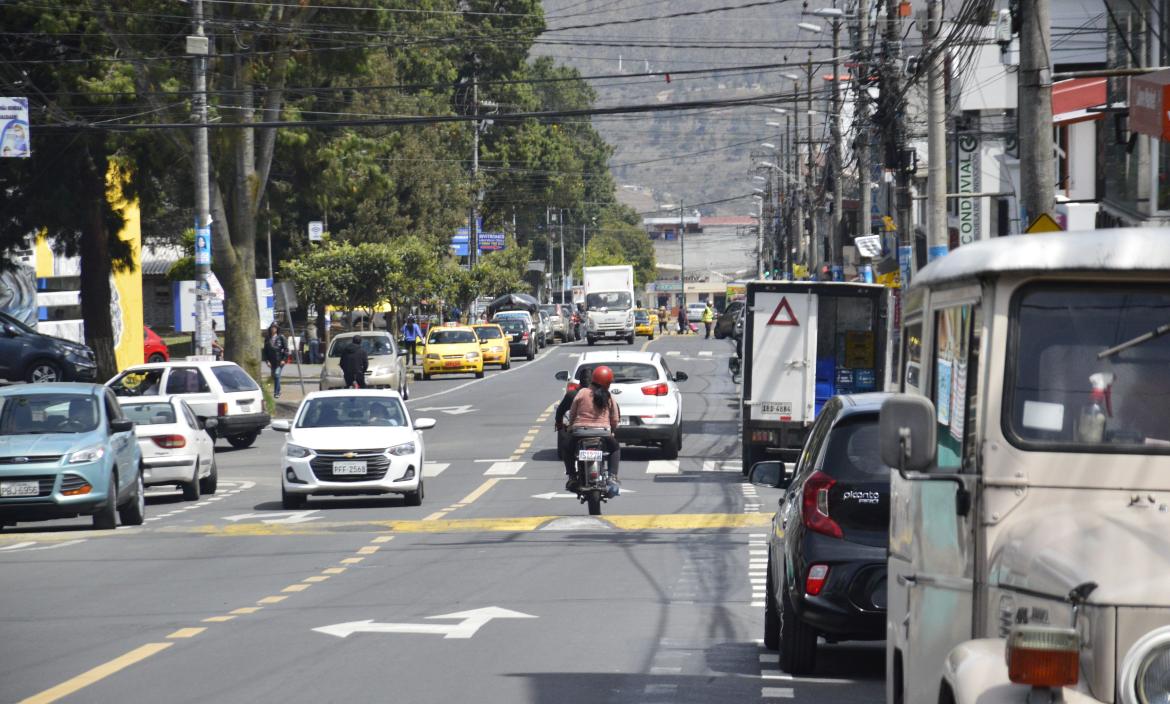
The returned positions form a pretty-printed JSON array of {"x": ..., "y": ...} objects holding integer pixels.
[
  {"x": 176, "y": 448},
  {"x": 352, "y": 443}
]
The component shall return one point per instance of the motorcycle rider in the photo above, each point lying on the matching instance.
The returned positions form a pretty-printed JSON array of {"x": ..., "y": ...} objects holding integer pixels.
[
  {"x": 595, "y": 407},
  {"x": 564, "y": 439}
]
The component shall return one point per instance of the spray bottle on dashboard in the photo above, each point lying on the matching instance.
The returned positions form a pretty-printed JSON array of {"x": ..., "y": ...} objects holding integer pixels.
[{"x": 1091, "y": 424}]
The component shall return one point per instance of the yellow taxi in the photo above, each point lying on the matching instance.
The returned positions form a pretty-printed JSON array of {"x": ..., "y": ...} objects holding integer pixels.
[
  {"x": 452, "y": 349},
  {"x": 645, "y": 322},
  {"x": 494, "y": 344}
]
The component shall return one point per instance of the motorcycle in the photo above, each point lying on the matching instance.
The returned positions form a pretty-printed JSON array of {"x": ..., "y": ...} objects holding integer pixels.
[{"x": 593, "y": 484}]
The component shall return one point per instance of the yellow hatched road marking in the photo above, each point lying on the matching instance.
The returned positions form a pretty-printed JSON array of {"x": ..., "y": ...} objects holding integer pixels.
[
  {"x": 97, "y": 674},
  {"x": 186, "y": 633},
  {"x": 218, "y": 619}
]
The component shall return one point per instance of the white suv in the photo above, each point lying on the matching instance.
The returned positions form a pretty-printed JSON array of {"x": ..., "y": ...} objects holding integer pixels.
[
  {"x": 647, "y": 396},
  {"x": 219, "y": 390}
]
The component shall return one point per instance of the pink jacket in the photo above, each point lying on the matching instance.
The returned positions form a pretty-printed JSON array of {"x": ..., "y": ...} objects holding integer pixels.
[{"x": 586, "y": 415}]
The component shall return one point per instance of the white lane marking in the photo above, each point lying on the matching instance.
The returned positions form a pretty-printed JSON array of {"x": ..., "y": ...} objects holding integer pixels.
[
  {"x": 705, "y": 353},
  {"x": 503, "y": 469},
  {"x": 449, "y": 410},
  {"x": 660, "y": 689},
  {"x": 464, "y": 385},
  {"x": 270, "y": 517},
  {"x": 673, "y": 353},
  {"x": 30, "y": 546},
  {"x": 723, "y": 466},
  {"x": 775, "y": 675},
  {"x": 17, "y": 546},
  {"x": 502, "y": 459},
  {"x": 434, "y": 469},
  {"x": 470, "y": 622},
  {"x": 769, "y": 658},
  {"x": 777, "y": 693},
  {"x": 665, "y": 670},
  {"x": 662, "y": 467}
]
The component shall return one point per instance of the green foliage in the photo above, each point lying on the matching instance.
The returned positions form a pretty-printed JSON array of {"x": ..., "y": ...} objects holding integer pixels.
[{"x": 620, "y": 241}]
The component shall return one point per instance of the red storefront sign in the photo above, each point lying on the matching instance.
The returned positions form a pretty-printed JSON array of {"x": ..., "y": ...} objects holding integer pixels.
[{"x": 1149, "y": 104}]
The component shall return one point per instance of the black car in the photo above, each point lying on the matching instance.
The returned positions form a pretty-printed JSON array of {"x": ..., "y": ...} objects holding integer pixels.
[
  {"x": 521, "y": 334},
  {"x": 27, "y": 355},
  {"x": 725, "y": 323},
  {"x": 827, "y": 549}
]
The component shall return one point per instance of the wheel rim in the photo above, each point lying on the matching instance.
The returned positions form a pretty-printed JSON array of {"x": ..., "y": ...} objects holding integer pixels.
[
  {"x": 141, "y": 500},
  {"x": 44, "y": 373}
]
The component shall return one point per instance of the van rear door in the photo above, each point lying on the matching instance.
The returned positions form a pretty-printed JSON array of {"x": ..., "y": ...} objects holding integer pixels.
[{"x": 783, "y": 347}]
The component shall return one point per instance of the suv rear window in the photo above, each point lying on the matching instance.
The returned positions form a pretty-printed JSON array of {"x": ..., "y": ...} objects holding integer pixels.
[
  {"x": 624, "y": 372},
  {"x": 232, "y": 378},
  {"x": 854, "y": 450}
]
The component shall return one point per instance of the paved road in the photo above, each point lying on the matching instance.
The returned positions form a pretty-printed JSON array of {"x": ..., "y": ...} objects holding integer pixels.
[{"x": 498, "y": 589}]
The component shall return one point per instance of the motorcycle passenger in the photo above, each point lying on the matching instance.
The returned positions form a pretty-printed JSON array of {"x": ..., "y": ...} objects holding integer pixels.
[
  {"x": 595, "y": 407},
  {"x": 564, "y": 439}
]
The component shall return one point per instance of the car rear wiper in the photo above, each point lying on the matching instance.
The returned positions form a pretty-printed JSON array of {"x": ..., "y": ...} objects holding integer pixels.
[{"x": 1140, "y": 339}]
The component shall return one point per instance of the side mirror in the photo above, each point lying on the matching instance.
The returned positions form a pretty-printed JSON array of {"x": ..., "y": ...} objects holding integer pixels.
[
  {"x": 402, "y": 350},
  {"x": 9, "y": 330},
  {"x": 770, "y": 473},
  {"x": 680, "y": 376},
  {"x": 282, "y": 426},
  {"x": 424, "y": 423},
  {"x": 121, "y": 425},
  {"x": 562, "y": 376},
  {"x": 907, "y": 430},
  {"x": 208, "y": 423}
]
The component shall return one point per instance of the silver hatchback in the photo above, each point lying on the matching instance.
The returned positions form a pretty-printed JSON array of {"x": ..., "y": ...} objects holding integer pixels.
[{"x": 387, "y": 369}]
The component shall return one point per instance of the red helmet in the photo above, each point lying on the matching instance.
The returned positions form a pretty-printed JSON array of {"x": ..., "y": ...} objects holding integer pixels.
[{"x": 603, "y": 376}]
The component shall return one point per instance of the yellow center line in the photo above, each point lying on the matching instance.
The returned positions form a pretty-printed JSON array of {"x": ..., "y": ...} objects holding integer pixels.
[
  {"x": 272, "y": 600},
  {"x": 244, "y": 610},
  {"x": 296, "y": 588},
  {"x": 218, "y": 619},
  {"x": 97, "y": 674},
  {"x": 480, "y": 491},
  {"x": 186, "y": 633},
  {"x": 383, "y": 539},
  {"x": 352, "y": 560},
  {"x": 331, "y": 570},
  {"x": 316, "y": 578},
  {"x": 367, "y": 550}
]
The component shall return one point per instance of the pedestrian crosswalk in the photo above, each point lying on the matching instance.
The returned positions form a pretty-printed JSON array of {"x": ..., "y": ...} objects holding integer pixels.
[
  {"x": 434, "y": 469},
  {"x": 505, "y": 468}
]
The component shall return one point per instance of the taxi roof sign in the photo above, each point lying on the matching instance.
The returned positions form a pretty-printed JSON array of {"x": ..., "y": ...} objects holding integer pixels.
[{"x": 1044, "y": 223}]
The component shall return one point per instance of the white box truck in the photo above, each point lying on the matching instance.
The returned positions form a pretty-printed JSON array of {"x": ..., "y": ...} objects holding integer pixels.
[
  {"x": 609, "y": 303},
  {"x": 804, "y": 342}
]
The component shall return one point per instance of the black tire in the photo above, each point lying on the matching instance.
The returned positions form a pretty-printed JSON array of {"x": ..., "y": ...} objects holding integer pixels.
[
  {"x": 156, "y": 358},
  {"x": 798, "y": 641},
  {"x": 134, "y": 512},
  {"x": 508, "y": 364},
  {"x": 210, "y": 483},
  {"x": 591, "y": 341},
  {"x": 594, "y": 501},
  {"x": 43, "y": 371},
  {"x": 651, "y": 336},
  {"x": 671, "y": 447},
  {"x": 426, "y": 377},
  {"x": 243, "y": 440},
  {"x": 107, "y": 517},
  {"x": 415, "y": 498},
  {"x": 771, "y": 613},
  {"x": 531, "y": 354},
  {"x": 404, "y": 390},
  {"x": 291, "y": 501},
  {"x": 192, "y": 488},
  {"x": 479, "y": 375}
]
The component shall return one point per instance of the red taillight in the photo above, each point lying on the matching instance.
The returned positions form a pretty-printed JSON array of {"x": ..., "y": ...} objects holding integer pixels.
[
  {"x": 1043, "y": 656},
  {"x": 169, "y": 441},
  {"x": 815, "y": 582},
  {"x": 659, "y": 389},
  {"x": 221, "y": 409},
  {"x": 816, "y": 505},
  {"x": 523, "y": 336},
  {"x": 573, "y": 386}
]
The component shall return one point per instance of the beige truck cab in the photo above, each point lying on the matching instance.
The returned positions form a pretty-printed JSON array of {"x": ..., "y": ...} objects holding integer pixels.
[{"x": 1029, "y": 555}]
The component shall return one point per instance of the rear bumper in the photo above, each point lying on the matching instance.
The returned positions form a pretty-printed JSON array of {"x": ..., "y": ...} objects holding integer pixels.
[
  {"x": 645, "y": 434},
  {"x": 167, "y": 470},
  {"x": 242, "y": 423},
  {"x": 852, "y": 604}
]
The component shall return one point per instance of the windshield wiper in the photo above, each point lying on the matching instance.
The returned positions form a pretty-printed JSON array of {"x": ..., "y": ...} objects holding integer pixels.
[{"x": 1140, "y": 339}]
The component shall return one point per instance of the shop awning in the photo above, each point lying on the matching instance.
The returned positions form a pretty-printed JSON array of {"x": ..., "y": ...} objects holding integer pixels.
[{"x": 1072, "y": 99}]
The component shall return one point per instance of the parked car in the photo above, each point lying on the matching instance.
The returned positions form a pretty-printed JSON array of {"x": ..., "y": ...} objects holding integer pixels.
[
  {"x": 521, "y": 334},
  {"x": 561, "y": 321},
  {"x": 647, "y": 394},
  {"x": 318, "y": 458},
  {"x": 725, "y": 323},
  {"x": 544, "y": 326},
  {"x": 827, "y": 548},
  {"x": 27, "y": 355},
  {"x": 387, "y": 367},
  {"x": 220, "y": 390},
  {"x": 153, "y": 347},
  {"x": 176, "y": 448},
  {"x": 67, "y": 450},
  {"x": 645, "y": 322}
]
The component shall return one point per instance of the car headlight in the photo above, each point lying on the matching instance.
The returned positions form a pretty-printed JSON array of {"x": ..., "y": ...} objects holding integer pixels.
[
  {"x": 1145, "y": 672},
  {"x": 497, "y": 348},
  {"x": 406, "y": 448},
  {"x": 381, "y": 371},
  {"x": 433, "y": 357},
  {"x": 296, "y": 451},
  {"x": 76, "y": 355},
  {"x": 471, "y": 355},
  {"x": 89, "y": 454}
]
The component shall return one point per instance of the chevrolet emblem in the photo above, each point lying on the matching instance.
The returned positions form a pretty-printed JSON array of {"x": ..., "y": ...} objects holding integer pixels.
[{"x": 349, "y": 455}]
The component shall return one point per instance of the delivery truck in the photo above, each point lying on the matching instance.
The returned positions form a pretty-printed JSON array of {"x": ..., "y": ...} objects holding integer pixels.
[
  {"x": 609, "y": 303},
  {"x": 804, "y": 342}
]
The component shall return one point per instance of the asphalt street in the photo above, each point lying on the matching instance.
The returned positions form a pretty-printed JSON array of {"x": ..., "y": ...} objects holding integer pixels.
[{"x": 498, "y": 589}]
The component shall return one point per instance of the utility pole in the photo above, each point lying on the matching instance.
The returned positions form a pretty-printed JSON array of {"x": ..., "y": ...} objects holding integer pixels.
[
  {"x": 893, "y": 108},
  {"x": 473, "y": 226},
  {"x": 198, "y": 46},
  {"x": 835, "y": 234},
  {"x": 1037, "y": 171},
  {"x": 862, "y": 120},
  {"x": 936, "y": 134},
  {"x": 562, "y": 286},
  {"x": 814, "y": 260},
  {"x": 794, "y": 182},
  {"x": 682, "y": 257}
]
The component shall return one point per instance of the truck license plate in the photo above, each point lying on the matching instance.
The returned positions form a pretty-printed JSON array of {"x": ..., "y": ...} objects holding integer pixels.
[
  {"x": 349, "y": 467},
  {"x": 589, "y": 455},
  {"x": 781, "y": 407},
  {"x": 20, "y": 488},
  {"x": 611, "y": 333}
]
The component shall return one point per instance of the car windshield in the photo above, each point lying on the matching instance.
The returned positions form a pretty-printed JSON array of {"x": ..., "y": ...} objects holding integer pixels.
[
  {"x": 232, "y": 378},
  {"x": 372, "y": 344},
  {"x": 40, "y": 414},
  {"x": 613, "y": 300},
  {"x": 488, "y": 333},
  {"x": 451, "y": 337},
  {"x": 138, "y": 382},
  {"x": 150, "y": 413},
  {"x": 1075, "y": 385},
  {"x": 641, "y": 316},
  {"x": 351, "y": 411},
  {"x": 625, "y": 372},
  {"x": 9, "y": 320}
]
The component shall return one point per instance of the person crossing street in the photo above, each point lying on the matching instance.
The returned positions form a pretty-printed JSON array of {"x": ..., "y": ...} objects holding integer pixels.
[
  {"x": 411, "y": 334},
  {"x": 275, "y": 354}
]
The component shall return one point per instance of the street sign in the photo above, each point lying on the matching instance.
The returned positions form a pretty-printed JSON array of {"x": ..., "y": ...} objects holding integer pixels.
[
  {"x": 14, "y": 132},
  {"x": 203, "y": 246},
  {"x": 869, "y": 245},
  {"x": 1043, "y": 223},
  {"x": 316, "y": 231},
  {"x": 470, "y": 622}
]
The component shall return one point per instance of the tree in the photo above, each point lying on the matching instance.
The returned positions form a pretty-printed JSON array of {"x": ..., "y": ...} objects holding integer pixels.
[{"x": 621, "y": 241}]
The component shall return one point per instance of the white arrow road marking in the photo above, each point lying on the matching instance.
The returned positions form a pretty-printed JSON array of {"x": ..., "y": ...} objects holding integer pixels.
[
  {"x": 29, "y": 546},
  {"x": 673, "y": 353},
  {"x": 662, "y": 467},
  {"x": 555, "y": 495},
  {"x": 434, "y": 469},
  {"x": 470, "y": 622},
  {"x": 449, "y": 410},
  {"x": 503, "y": 469},
  {"x": 271, "y": 516}
]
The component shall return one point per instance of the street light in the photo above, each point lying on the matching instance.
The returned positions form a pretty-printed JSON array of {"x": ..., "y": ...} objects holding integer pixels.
[
  {"x": 770, "y": 123},
  {"x": 810, "y": 27},
  {"x": 768, "y": 145},
  {"x": 784, "y": 111},
  {"x": 833, "y": 12}
]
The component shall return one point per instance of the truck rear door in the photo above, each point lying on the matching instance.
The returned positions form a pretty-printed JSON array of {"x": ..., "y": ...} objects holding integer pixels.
[{"x": 783, "y": 347}]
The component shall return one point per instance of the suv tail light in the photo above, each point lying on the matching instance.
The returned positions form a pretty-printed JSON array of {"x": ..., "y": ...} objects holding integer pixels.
[
  {"x": 524, "y": 336},
  {"x": 221, "y": 409},
  {"x": 169, "y": 442},
  {"x": 1043, "y": 656},
  {"x": 659, "y": 389},
  {"x": 817, "y": 576},
  {"x": 573, "y": 386},
  {"x": 815, "y": 513}
]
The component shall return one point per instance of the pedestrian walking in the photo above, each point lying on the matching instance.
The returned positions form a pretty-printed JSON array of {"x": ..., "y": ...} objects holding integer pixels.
[
  {"x": 411, "y": 334},
  {"x": 663, "y": 319},
  {"x": 275, "y": 355},
  {"x": 708, "y": 319},
  {"x": 684, "y": 325},
  {"x": 354, "y": 363}
]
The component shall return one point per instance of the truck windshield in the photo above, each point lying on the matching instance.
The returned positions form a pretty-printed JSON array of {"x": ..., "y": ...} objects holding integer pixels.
[
  {"x": 1070, "y": 388},
  {"x": 613, "y": 300}
]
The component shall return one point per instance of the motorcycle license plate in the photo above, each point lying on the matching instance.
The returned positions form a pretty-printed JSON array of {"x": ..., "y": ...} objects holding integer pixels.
[
  {"x": 590, "y": 455},
  {"x": 25, "y": 488},
  {"x": 349, "y": 467},
  {"x": 624, "y": 420}
]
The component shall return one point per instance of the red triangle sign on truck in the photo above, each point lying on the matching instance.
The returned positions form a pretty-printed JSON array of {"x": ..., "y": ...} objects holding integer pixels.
[{"x": 785, "y": 309}]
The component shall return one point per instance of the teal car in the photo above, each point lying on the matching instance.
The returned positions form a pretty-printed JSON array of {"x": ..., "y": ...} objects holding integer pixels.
[{"x": 66, "y": 450}]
